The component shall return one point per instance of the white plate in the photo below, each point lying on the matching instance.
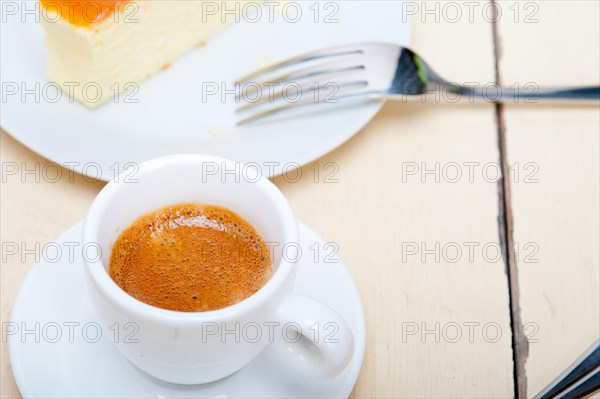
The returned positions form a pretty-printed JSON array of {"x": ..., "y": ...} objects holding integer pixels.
[
  {"x": 170, "y": 117},
  {"x": 54, "y": 292}
]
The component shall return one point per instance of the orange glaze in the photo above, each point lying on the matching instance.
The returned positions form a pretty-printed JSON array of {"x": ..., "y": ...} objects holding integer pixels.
[{"x": 84, "y": 12}]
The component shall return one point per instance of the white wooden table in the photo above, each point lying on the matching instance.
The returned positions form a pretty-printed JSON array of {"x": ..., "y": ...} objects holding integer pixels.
[{"x": 448, "y": 313}]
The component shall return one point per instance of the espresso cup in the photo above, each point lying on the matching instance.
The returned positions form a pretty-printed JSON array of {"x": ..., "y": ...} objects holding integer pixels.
[{"x": 200, "y": 347}]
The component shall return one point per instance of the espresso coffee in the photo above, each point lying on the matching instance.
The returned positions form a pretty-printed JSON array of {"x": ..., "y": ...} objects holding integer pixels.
[{"x": 190, "y": 258}]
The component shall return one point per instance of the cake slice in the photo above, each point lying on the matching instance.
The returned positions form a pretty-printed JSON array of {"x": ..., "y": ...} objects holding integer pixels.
[{"x": 98, "y": 48}]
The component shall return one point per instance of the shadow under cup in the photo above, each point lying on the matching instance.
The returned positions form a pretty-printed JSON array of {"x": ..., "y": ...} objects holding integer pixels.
[{"x": 188, "y": 347}]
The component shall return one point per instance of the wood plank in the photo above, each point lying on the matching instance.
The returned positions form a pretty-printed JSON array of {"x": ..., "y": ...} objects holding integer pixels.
[
  {"x": 36, "y": 208},
  {"x": 370, "y": 213},
  {"x": 557, "y": 211}
]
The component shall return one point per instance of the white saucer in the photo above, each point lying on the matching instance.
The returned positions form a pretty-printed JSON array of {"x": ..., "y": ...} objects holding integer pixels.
[{"x": 54, "y": 293}]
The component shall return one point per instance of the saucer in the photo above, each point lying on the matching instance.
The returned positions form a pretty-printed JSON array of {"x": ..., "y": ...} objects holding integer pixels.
[{"x": 60, "y": 351}]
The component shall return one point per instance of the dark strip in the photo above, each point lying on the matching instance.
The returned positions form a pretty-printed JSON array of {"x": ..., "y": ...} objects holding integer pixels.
[{"x": 520, "y": 346}]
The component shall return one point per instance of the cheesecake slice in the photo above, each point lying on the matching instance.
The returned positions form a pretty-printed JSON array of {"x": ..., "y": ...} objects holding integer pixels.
[{"x": 98, "y": 48}]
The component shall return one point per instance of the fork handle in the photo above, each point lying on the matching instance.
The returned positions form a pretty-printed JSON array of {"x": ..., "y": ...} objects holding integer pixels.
[
  {"x": 583, "y": 376},
  {"x": 528, "y": 94},
  {"x": 492, "y": 94}
]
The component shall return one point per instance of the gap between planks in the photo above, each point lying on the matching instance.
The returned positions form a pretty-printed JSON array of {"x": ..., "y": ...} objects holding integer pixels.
[{"x": 520, "y": 346}]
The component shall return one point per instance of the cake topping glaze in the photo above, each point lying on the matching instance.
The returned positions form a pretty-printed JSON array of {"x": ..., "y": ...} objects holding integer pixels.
[{"x": 85, "y": 13}]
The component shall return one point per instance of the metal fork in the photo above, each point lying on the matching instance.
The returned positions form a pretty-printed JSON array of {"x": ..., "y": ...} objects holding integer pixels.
[
  {"x": 370, "y": 71},
  {"x": 580, "y": 380}
]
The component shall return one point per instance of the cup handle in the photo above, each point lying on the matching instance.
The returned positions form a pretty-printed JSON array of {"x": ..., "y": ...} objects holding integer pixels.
[{"x": 320, "y": 325}]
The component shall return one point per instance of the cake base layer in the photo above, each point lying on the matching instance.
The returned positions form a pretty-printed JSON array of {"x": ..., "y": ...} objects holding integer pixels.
[{"x": 95, "y": 63}]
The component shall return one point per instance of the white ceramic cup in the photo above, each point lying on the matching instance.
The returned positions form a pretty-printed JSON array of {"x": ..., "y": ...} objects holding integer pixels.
[{"x": 200, "y": 347}]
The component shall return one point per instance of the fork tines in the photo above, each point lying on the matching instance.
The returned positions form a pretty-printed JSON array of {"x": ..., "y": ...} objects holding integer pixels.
[{"x": 321, "y": 76}]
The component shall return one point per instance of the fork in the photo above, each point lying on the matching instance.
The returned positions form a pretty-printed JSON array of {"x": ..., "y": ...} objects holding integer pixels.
[
  {"x": 580, "y": 380},
  {"x": 370, "y": 71}
]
